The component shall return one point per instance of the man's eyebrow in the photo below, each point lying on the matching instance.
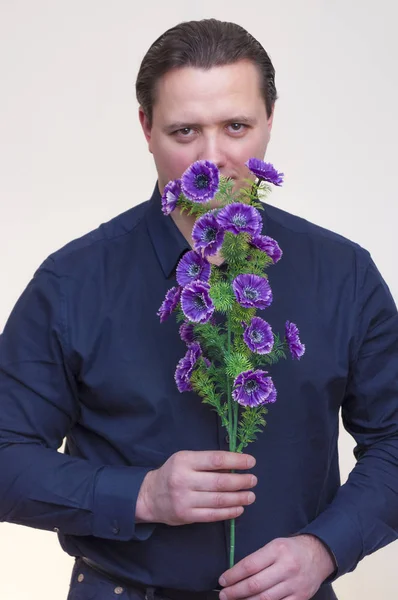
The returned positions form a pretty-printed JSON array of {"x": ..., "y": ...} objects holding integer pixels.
[{"x": 185, "y": 124}]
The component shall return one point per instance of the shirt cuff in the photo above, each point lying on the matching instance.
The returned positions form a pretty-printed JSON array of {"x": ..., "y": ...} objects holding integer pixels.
[
  {"x": 115, "y": 498},
  {"x": 341, "y": 537}
]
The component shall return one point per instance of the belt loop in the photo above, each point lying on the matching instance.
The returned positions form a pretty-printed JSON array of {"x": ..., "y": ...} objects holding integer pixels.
[{"x": 150, "y": 593}]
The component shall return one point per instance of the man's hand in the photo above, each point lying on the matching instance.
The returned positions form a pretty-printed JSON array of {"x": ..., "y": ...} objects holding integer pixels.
[
  {"x": 290, "y": 568},
  {"x": 193, "y": 487}
]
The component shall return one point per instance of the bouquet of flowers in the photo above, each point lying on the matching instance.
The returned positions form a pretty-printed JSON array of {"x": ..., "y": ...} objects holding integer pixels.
[{"x": 227, "y": 356}]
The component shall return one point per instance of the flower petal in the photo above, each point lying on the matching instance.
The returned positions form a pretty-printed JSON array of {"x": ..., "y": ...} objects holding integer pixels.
[
  {"x": 191, "y": 267},
  {"x": 170, "y": 196},
  {"x": 200, "y": 181},
  {"x": 264, "y": 171},
  {"x": 240, "y": 218}
]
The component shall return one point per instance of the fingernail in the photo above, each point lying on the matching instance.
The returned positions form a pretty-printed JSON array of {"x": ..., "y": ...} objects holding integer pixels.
[
  {"x": 251, "y": 497},
  {"x": 222, "y": 582},
  {"x": 251, "y": 462},
  {"x": 223, "y": 596}
]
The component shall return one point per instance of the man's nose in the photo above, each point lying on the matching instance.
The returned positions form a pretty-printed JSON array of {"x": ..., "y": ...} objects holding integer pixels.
[{"x": 211, "y": 149}]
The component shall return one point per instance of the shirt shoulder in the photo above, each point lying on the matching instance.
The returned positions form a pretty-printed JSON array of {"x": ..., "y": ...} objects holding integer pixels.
[
  {"x": 303, "y": 236},
  {"x": 94, "y": 243},
  {"x": 298, "y": 225}
]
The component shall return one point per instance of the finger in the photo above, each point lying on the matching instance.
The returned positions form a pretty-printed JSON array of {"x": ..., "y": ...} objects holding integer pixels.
[
  {"x": 268, "y": 581},
  {"x": 248, "y": 566},
  {"x": 211, "y": 515},
  {"x": 223, "y": 500},
  {"x": 279, "y": 592},
  {"x": 223, "y": 482},
  {"x": 217, "y": 460}
]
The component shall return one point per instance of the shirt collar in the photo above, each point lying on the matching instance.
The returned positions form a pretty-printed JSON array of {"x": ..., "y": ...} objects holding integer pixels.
[{"x": 167, "y": 240}]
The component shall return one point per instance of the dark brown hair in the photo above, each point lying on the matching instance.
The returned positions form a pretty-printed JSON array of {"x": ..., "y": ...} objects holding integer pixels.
[{"x": 202, "y": 44}]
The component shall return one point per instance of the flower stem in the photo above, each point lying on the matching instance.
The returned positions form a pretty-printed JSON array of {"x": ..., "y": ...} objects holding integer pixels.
[
  {"x": 232, "y": 543},
  {"x": 229, "y": 399},
  {"x": 235, "y": 421},
  {"x": 233, "y": 416}
]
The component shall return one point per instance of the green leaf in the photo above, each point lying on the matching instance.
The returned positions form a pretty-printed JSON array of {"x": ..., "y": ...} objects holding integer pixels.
[
  {"x": 180, "y": 317},
  {"x": 225, "y": 190},
  {"x": 257, "y": 205},
  {"x": 216, "y": 275},
  {"x": 258, "y": 263},
  {"x": 251, "y": 422},
  {"x": 241, "y": 347},
  {"x": 278, "y": 352},
  {"x": 235, "y": 249},
  {"x": 203, "y": 385},
  {"x": 213, "y": 339},
  {"x": 222, "y": 295},
  {"x": 235, "y": 363},
  {"x": 191, "y": 208},
  {"x": 239, "y": 314}
]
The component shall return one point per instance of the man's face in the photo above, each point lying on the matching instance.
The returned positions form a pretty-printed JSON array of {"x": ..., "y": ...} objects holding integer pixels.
[{"x": 217, "y": 115}]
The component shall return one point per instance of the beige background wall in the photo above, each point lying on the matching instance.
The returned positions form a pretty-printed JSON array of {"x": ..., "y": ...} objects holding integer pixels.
[{"x": 72, "y": 155}]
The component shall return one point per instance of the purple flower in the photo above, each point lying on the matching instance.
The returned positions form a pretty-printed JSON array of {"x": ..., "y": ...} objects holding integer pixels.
[
  {"x": 192, "y": 266},
  {"x": 252, "y": 388},
  {"x": 207, "y": 234},
  {"x": 296, "y": 348},
  {"x": 267, "y": 245},
  {"x": 187, "y": 332},
  {"x": 252, "y": 291},
  {"x": 240, "y": 218},
  {"x": 186, "y": 366},
  {"x": 264, "y": 171},
  {"x": 196, "y": 302},
  {"x": 169, "y": 303},
  {"x": 170, "y": 196},
  {"x": 200, "y": 181},
  {"x": 258, "y": 336}
]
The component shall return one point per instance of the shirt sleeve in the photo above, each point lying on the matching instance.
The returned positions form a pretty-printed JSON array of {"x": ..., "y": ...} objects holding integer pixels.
[
  {"x": 39, "y": 486},
  {"x": 363, "y": 516}
]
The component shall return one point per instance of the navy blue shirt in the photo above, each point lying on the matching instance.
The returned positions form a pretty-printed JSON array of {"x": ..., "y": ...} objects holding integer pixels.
[{"x": 83, "y": 356}]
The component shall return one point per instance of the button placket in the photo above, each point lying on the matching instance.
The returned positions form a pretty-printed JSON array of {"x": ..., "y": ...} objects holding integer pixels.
[{"x": 150, "y": 593}]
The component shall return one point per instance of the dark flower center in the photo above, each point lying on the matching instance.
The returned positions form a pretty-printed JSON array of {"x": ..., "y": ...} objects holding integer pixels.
[
  {"x": 209, "y": 234},
  {"x": 239, "y": 220},
  {"x": 194, "y": 270},
  {"x": 201, "y": 181},
  {"x": 251, "y": 294},
  {"x": 199, "y": 302},
  {"x": 256, "y": 336},
  {"x": 251, "y": 385}
]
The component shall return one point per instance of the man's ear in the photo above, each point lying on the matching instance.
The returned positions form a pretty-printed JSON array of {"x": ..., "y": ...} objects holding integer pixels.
[{"x": 146, "y": 128}]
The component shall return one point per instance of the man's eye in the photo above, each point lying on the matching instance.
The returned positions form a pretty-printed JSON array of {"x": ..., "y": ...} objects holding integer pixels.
[
  {"x": 184, "y": 132},
  {"x": 237, "y": 127}
]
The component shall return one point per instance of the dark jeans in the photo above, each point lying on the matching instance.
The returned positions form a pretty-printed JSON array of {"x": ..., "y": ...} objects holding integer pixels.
[{"x": 87, "y": 584}]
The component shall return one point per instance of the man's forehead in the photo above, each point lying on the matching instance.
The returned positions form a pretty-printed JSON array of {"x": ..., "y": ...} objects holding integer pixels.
[{"x": 187, "y": 83}]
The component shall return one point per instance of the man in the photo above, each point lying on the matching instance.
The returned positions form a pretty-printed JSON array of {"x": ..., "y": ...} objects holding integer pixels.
[{"x": 143, "y": 494}]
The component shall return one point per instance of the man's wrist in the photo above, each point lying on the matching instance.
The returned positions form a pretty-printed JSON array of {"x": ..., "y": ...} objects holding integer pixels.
[
  {"x": 328, "y": 563},
  {"x": 143, "y": 509}
]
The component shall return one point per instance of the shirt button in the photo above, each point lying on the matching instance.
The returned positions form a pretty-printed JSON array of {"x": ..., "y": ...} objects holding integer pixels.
[
  {"x": 56, "y": 529},
  {"x": 118, "y": 590},
  {"x": 80, "y": 578},
  {"x": 116, "y": 530}
]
